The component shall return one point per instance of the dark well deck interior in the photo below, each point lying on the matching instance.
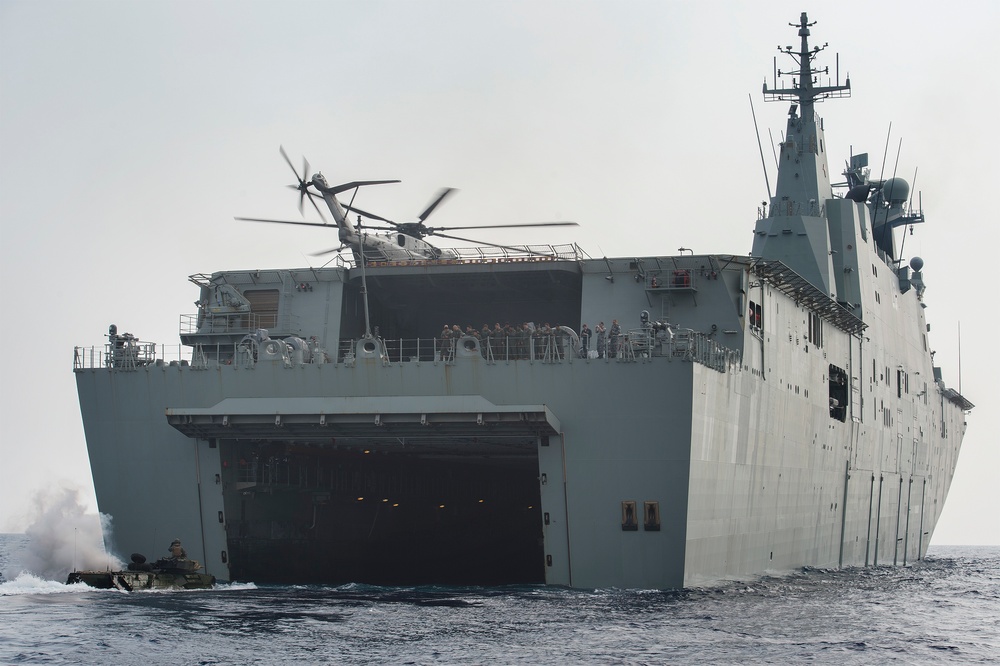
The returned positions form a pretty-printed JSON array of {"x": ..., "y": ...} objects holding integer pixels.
[
  {"x": 447, "y": 511},
  {"x": 336, "y": 492}
]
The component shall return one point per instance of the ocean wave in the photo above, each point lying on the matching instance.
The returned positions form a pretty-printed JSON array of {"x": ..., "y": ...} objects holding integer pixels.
[
  {"x": 234, "y": 586},
  {"x": 29, "y": 583}
]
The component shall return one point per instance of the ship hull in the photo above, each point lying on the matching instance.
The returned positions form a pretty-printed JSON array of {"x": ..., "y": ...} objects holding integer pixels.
[
  {"x": 477, "y": 471},
  {"x": 743, "y": 415}
]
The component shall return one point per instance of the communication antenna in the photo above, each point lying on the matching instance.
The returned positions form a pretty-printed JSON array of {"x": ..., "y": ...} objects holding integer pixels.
[
  {"x": 895, "y": 167},
  {"x": 960, "y": 357},
  {"x": 885, "y": 153},
  {"x": 913, "y": 188},
  {"x": 881, "y": 178},
  {"x": 767, "y": 182},
  {"x": 909, "y": 210}
]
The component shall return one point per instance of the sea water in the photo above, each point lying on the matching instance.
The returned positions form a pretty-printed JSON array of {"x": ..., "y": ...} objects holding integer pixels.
[{"x": 945, "y": 609}]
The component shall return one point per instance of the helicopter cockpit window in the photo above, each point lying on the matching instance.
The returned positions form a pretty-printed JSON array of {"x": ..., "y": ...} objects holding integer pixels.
[{"x": 401, "y": 240}]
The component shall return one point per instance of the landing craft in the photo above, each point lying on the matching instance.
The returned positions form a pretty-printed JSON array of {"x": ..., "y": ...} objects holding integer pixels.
[{"x": 405, "y": 242}]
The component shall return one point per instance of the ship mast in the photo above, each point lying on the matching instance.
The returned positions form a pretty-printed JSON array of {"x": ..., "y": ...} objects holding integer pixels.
[
  {"x": 803, "y": 177},
  {"x": 795, "y": 230},
  {"x": 804, "y": 90}
]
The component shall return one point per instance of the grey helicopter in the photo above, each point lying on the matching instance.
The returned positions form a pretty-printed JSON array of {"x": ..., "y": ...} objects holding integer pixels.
[{"x": 401, "y": 241}]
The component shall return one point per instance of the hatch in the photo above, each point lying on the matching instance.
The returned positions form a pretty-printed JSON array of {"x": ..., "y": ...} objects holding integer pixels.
[{"x": 390, "y": 490}]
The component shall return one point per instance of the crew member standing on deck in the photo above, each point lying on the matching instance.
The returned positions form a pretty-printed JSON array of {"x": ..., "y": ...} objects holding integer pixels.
[
  {"x": 584, "y": 341},
  {"x": 614, "y": 334}
]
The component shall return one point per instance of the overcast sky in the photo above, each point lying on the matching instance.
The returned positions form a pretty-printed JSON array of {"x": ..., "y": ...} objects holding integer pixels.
[{"x": 131, "y": 133}]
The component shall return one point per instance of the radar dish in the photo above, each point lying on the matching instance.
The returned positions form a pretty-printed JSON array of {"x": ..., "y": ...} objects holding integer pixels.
[
  {"x": 916, "y": 263},
  {"x": 896, "y": 190}
]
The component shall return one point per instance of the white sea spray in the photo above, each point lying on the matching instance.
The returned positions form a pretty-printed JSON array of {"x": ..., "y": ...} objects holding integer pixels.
[{"x": 62, "y": 537}]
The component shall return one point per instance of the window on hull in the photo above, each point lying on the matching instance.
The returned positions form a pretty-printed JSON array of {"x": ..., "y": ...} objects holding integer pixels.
[
  {"x": 839, "y": 391},
  {"x": 815, "y": 333},
  {"x": 756, "y": 314}
]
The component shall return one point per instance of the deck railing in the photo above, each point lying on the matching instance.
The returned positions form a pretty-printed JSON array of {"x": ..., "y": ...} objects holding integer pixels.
[
  {"x": 132, "y": 357},
  {"x": 475, "y": 255},
  {"x": 679, "y": 344},
  {"x": 244, "y": 322},
  {"x": 632, "y": 346}
]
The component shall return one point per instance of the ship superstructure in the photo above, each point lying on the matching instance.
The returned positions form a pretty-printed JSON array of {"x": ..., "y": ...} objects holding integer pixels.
[{"x": 740, "y": 414}]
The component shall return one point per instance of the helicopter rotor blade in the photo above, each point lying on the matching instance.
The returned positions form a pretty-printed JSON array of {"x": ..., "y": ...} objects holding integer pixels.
[
  {"x": 312, "y": 200},
  {"x": 507, "y": 226},
  {"x": 434, "y": 204},
  {"x": 289, "y": 163},
  {"x": 330, "y": 251},
  {"x": 481, "y": 242},
  {"x": 303, "y": 194},
  {"x": 304, "y": 224},
  {"x": 358, "y": 183},
  {"x": 350, "y": 207},
  {"x": 303, "y": 188},
  {"x": 372, "y": 216}
]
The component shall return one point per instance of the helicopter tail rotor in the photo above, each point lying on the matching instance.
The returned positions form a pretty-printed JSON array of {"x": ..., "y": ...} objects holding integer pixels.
[{"x": 303, "y": 185}]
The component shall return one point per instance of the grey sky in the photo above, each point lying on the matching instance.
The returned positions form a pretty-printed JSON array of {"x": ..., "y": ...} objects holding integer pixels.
[{"x": 132, "y": 133}]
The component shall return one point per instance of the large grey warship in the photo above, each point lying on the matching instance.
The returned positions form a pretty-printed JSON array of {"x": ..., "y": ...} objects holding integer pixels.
[{"x": 755, "y": 413}]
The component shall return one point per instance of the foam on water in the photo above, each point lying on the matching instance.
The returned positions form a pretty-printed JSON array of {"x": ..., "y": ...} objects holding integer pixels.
[
  {"x": 234, "y": 587},
  {"x": 27, "y": 583}
]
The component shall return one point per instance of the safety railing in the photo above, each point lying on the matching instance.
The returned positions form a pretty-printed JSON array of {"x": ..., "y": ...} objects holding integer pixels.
[
  {"x": 244, "y": 322},
  {"x": 475, "y": 255},
  {"x": 630, "y": 346},
  {"x": 131, "y": 357},
  {"x": 680, "y": 344}
]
